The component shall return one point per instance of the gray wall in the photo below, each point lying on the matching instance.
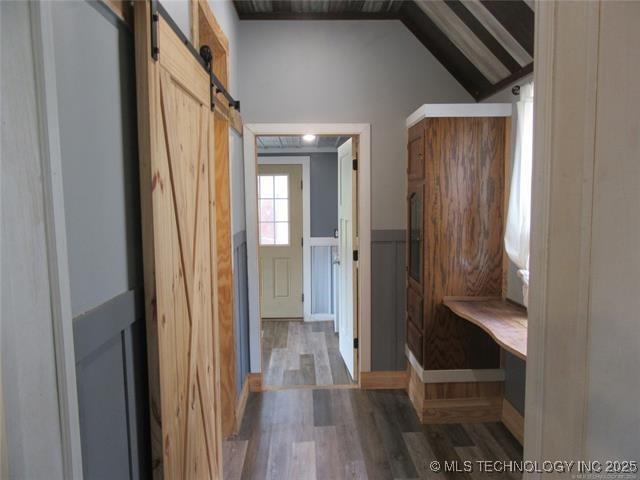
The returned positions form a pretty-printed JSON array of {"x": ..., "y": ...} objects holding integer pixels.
[
  {"x": 373, "y": 72},
  {"x": 29, "y": 387},
  {"x": 94, "y": 55},
  {"x": 323, "y": 173},
  {"x": 99, "y": 152}
]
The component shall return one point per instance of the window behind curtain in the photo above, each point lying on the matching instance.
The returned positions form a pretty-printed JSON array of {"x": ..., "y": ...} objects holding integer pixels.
[{"x": 516, "y": 239}]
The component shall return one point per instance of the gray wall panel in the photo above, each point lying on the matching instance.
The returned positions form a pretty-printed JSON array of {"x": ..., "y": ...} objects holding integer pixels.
[
  {"x": 112, "y": 389},
  {"x": 515, "y": 380},
  {"x": 106, "y": 321},
  {"x": 388, "y": 300},
  {"x": 103, "y": 412},
  {"x": 324, "y": 194},
  {"x": 241, "y": 301}
]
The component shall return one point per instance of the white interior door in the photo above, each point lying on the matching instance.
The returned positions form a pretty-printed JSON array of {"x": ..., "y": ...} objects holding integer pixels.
[
  {"x": 347, "y": 240},
  {"x": 280, "y": 239}
]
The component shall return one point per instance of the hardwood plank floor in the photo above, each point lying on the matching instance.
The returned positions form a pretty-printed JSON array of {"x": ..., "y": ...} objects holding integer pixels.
[
  {"x": 301, "y": 353},
  {"x": 348, "y": 433}
]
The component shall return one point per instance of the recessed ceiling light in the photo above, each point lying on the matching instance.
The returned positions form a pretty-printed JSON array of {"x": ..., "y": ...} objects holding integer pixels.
[{"x": 309, "y": 137}]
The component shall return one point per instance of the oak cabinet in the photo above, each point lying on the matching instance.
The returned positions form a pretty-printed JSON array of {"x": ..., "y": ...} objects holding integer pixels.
[{"x": 455, "y": 224}]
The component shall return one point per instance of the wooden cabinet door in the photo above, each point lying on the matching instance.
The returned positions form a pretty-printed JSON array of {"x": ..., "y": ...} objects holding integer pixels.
[{"x": 177, "y": 190}]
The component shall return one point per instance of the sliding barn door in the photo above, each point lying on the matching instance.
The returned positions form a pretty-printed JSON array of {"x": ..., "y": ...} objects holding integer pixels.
[{"x": 177, "y": 178}]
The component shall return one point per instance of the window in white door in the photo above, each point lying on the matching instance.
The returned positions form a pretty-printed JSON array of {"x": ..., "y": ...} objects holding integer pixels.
[{"x": 273, "y": 209}]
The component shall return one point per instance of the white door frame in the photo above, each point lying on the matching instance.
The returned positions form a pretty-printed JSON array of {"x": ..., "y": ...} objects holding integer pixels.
[
  {"x": 363, "y": 130},
  {"x": 55, "y": 223},
  {"x": 306, "y": 222}
]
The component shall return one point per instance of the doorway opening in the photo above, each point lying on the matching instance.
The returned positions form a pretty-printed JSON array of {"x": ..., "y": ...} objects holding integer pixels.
[
  {"x": 300, "y": 199},
  {"x": 308, "y": 274}
]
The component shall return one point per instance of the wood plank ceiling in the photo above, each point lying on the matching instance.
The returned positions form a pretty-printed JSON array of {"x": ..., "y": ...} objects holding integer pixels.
[
  {"x": 484, "y": 44},
  {"x": 296, "y": 141}
]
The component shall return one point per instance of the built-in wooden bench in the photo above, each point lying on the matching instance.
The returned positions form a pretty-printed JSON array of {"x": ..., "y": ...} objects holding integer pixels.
[{"x": 503, "y": 320}]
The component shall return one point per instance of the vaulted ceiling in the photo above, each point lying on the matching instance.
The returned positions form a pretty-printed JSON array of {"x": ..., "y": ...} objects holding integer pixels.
[{"x": 484, "y": 44}]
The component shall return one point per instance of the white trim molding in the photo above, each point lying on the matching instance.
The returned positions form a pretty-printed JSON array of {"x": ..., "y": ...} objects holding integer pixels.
[
  {"x": 431, "y": 110},
  {"x": 55, "y": 225},
  {"x": 323, "y": 242},
  {"x": 306, "y": 221},
  {"x": 363, "y": 130},
  {"x": 455, "y": 376}
]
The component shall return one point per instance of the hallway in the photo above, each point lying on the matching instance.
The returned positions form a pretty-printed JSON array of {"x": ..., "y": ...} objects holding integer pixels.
[
  {"x": 299, "y": 353},
  {"x": 346, "y": 433}
]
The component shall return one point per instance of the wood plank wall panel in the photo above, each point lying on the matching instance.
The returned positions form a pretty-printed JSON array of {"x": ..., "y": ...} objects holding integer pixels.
[
  {"x": 225, "y": 278},
  {"x": 463, "y": 229}
]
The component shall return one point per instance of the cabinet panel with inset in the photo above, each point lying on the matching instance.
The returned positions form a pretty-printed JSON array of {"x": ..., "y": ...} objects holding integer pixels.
[
  {"x": 415, "y": 166},
  {"x": 415, "y": 235},
  {"x": 455, "y": 217}
]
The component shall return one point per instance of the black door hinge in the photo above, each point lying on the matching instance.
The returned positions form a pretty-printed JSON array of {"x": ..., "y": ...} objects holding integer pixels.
[
  {"x": 355, "y": 164},
  {"x": 355, "y": 343},
  {"x": 355, "y": 255},
  {"x": 302, "y": 242},
  {"x": 303, "y": 298}
]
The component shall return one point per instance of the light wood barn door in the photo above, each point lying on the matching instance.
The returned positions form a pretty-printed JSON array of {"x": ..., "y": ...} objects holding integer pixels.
[{"x": 178, "y": 192}]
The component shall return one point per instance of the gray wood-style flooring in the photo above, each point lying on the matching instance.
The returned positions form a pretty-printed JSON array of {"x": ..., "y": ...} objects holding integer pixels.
[
  {"x": 349, "y": 433},
  {"x": 301, "y": 353}
]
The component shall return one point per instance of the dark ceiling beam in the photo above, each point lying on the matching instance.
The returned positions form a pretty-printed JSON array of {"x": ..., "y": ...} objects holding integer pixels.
[
  {"x": 514, "y": 77},
  {"x": 516, "y": 17},
  {"x": 443, "y": 49},
  {"x": 483, "y": 34}
]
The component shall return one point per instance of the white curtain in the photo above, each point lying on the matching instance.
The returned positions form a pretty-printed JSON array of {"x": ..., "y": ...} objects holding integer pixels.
[{"x": 516, "y": 238}]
